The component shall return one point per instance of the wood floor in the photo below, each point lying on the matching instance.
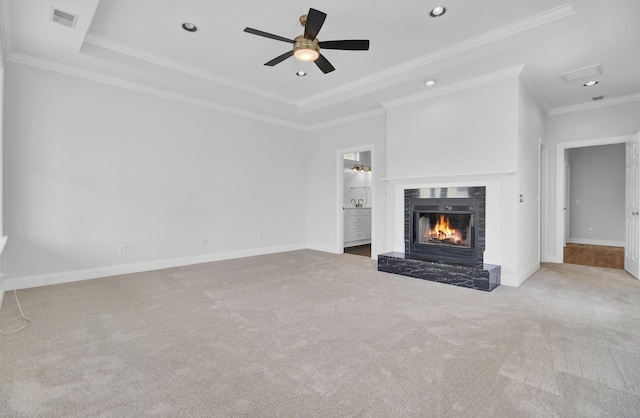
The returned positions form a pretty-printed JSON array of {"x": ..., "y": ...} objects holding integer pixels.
[
  {"x": 594, "y": 255},
  {"x": 364, "y": 250}
]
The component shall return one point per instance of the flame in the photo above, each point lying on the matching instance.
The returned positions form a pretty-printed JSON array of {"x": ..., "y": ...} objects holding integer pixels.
[{"x": 442, "y": 231}]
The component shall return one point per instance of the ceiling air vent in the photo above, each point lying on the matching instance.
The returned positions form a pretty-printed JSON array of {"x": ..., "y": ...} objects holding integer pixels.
[
  {"x": 588, "y": 72},
  {"x": 63, "y": 18}
]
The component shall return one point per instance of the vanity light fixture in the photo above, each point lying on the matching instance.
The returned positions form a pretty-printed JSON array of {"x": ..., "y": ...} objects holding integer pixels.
[
  {"x": 361, "y": 168},
  {"x": 438, "y": 11},
  {"x": 590, "y": 83},
  {"x": 189, "y": 27}
]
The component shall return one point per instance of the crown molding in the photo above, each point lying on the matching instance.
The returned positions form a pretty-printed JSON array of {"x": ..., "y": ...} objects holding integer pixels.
[
  {"x": 131, "y": 51},
  {"x": 595, "y": 105},
  {"x": 5, "y": 32},
  {"x": 463, "y": 85},
  {"x": 141, "y": 88},
  {"x": 531, "y": 86},
  {"x": 486, "y": 38},
  {"x": 347, "y": 119}
]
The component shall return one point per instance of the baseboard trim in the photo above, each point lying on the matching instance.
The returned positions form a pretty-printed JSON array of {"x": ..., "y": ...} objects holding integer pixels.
[
  {"x": 551, "y": 258},
  {"x": 323, "y": 248},
  {"x": 605, "y": 243},
  {"x": 26, "y": 282},
  {"x": 528, "y": 273}
]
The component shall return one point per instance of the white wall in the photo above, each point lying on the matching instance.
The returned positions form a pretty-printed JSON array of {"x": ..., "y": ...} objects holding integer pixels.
[
  {"x": 90, "y": 166},
  {"x": 567, "y": 128},
  {"x": 532, "y": 126},
  {"x": 597, "y": 195},
  {"x": 322, "y": 172},
  {"x": 469, "y": 131},
  {"x": 473, "y": 131}
]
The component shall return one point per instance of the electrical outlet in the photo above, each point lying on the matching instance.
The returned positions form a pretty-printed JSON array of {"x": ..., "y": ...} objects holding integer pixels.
[
  {"x": 205, "y": 241},
  {"x": 122, "y": 249}
]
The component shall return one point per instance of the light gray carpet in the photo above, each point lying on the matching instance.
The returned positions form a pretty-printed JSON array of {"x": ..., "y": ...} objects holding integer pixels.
[{"x": 307, "y": 333}]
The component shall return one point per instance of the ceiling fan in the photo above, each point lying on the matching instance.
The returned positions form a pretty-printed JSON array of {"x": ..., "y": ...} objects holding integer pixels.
[{"x": 306, "y": 47}]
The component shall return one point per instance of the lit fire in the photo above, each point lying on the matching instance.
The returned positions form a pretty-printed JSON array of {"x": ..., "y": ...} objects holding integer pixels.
[{"x": 443, "y": 232}]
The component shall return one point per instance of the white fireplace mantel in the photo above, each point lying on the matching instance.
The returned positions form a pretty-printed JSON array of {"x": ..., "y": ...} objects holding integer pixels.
[
  {"x": 441, "y": 178},
  {"x": 492, "y": 181}
]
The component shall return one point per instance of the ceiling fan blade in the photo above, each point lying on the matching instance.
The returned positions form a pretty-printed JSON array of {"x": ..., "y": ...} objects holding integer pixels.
[
  {"x": 268, "y": 35},
  {"x": 324, "y": 64},
  {"x": 347, "y": 45},
  {"x": 279, "y": 59},
  {"x": 315, "y": 20}
]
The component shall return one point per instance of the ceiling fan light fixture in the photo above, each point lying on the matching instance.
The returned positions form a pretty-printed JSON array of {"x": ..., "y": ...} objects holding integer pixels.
[
  {"x": 438, "y": 11},
  {"x": 305, "y": 49},
  {"x": 306, "y": 55}
]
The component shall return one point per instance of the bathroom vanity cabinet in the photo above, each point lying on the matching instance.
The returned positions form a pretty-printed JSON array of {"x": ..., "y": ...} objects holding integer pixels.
[{"x": 357, "y": 226}]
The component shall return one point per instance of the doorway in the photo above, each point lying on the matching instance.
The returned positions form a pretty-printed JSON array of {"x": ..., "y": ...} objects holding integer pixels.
[
  {"x": 582, "y": 218},
  {"x": 355, "y": 197}
]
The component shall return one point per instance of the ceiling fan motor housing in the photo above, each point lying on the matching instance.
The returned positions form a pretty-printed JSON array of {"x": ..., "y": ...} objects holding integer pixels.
[{"x": 303, "y": 48}]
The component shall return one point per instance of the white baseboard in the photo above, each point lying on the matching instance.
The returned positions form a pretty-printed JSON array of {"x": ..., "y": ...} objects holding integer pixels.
[
  {"x": 516, "y": 280},
  {"x": 551, "y": 258},
  {"x": 507, "y": 280},
  {"x": 26, "y": 282},
  {"x": 324, "y": 248},
  {"x": 528, "y": 273},
  {"x": 605, "y": 243}
]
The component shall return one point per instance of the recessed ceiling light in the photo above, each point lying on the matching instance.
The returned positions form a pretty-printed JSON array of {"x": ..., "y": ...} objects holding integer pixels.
[
  {"x": 430, "y": 83},
  {"x": 598, "y": 98},
  {"x": 301, "y": 73},
  {"x": 590, "y": 83},
  {"x": 189, "y": 27},
  {"x": 437, "y": 11}
]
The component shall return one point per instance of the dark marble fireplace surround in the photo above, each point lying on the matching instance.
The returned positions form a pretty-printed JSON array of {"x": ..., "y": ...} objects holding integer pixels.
[{"x": 471, "y": 273}]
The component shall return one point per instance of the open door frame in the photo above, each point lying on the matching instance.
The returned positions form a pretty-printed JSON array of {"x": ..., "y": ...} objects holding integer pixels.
[
  {"x": 632, "y": 208},
  {"x": 560, "y": 183},
  {"x": 340, "y": 196}
]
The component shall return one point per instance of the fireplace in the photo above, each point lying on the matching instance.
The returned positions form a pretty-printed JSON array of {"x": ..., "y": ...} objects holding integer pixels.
[
  {"x": 444, "y": 230},
  {"x": 444, "y": 238},
  {"x": 445, "y": 225}
]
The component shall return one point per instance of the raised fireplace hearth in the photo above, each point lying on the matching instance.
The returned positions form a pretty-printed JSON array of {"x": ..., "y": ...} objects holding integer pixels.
[
  {"x": 485, "y": 277},
  {"x": 444, "y": 234}
]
